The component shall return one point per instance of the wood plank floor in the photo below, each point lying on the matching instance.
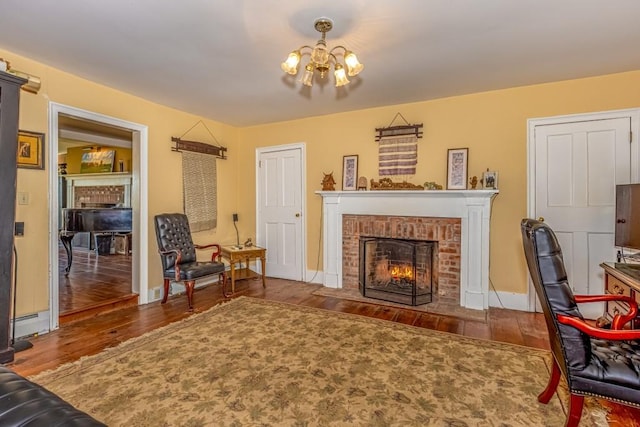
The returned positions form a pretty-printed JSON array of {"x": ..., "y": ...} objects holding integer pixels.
[
  {"x": 90, "y": 336},
  {"x": 95, "y": 284}
]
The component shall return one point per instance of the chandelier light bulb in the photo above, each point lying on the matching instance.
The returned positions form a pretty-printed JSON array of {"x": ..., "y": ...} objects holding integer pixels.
[
  {"x": 353, "y": 65},
  {"x": 341, "y": 77},
  {"x": 307, "y": 77},
  {"x": 290, "y": 66}
]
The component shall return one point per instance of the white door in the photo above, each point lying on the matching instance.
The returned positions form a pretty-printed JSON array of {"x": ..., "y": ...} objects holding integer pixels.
[
  {"x": 280, "y": 194},
  {"x": 577, "y": 166}
]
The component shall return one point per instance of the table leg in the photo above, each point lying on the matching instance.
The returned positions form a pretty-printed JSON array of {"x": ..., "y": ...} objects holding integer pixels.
[
  {"x": 66, "y": 243},
  {"x": 233, "y": 277},
  {"x": 263, "y": 262}
]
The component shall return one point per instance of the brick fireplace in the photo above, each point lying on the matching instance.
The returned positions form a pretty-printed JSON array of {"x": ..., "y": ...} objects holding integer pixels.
[
  {"x": 445, "y": 231},
  {"x": 458, "y": 219}
]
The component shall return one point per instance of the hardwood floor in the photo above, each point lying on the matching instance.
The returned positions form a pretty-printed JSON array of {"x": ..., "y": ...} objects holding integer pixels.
[
  {"x": 90, "y": 336},
  {"x": 96, "y": 284}
]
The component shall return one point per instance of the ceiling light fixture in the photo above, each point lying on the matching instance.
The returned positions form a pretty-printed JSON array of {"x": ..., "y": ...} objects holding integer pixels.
[{"x": 321, "y": 59}]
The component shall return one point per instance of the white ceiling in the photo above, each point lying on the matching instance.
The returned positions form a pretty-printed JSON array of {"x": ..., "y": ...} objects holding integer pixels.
[{"x": 221, "y": 59}]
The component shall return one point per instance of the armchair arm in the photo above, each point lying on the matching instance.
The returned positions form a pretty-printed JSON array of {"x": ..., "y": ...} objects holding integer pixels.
[
  {"x": 617, "y": 335},
  {"x": 618, "y": 320},
  {"x": 216, "y": 253},
  {"x": 176, "y": 264}
]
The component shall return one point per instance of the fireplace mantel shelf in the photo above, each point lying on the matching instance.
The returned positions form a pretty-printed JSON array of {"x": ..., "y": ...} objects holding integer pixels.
[
  {"x": 473, "y": 207},
  {"x": 410, "y": 193}
]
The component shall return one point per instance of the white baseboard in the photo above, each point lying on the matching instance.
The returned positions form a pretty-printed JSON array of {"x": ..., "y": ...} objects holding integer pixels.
[
  {"x": 509, "y": 300},
  {"x": 32, "y": 324},
  {"x": 314, "y": 276}
]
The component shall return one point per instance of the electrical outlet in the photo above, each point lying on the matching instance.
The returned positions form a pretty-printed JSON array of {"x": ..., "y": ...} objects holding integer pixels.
[
  {"x": 19, "y": 229},
  {"x": 235, "y": 217}
]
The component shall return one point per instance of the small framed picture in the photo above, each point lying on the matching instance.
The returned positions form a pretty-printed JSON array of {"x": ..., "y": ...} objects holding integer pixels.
[
  {"x": 457, "y": 166},
  {"x": 490, "y": 180},
  {"x": 350, "y": 172},
  {"x": 30, "y": 149}
]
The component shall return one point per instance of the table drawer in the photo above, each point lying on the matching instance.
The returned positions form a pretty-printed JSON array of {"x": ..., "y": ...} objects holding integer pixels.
[{"x": 616, "y": 287}]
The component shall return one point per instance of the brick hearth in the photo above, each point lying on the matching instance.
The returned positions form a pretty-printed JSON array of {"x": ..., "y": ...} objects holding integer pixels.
[{"x": 445, "y": 231}]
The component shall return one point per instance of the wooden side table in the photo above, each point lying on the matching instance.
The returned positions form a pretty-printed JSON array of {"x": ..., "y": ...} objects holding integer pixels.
[{"x": 244, "y": 254}]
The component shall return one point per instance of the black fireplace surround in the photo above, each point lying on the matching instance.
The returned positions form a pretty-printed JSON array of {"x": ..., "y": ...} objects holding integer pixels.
[{"x": 397, "y": 270}]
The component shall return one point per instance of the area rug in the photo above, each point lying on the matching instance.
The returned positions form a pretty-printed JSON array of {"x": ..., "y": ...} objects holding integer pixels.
[
  {"x": 253, "y": 362},
  {"x": 434, "y": 307}
]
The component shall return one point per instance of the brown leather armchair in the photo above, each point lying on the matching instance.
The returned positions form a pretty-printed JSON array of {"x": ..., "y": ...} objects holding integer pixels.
[
  {"x": 178, "y": 255},
  {"x": 595, "y": 362}
]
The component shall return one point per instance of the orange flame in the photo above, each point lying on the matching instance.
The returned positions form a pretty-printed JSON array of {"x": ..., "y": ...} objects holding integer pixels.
[{"x": 402, "y": 272}]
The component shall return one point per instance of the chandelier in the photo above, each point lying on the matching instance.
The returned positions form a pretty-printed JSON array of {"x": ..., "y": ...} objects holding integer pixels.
[{"x": 321, "y": 59}]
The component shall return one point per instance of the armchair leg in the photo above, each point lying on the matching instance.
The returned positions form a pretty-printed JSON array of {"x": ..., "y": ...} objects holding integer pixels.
[
  {"x": 575, "y": 410},
  {"x": 166, "y": 291},
  {"x": 189, "y": 285},
  {"x": 546, "y": 395},
  {"x": 223, "y": 279}
]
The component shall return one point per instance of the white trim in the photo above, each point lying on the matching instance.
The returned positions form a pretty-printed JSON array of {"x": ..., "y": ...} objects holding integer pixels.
[
  {"x": 303, "y": 196},
  {"x": 509, "y": 300},
  {"x": 139, "y": 202},
  {"x": 632, "y": 113},
  {"x": 34, "y": 324}
]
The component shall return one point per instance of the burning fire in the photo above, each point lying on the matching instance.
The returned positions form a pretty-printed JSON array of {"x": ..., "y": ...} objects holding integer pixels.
[{"x": 402, "y": 272}]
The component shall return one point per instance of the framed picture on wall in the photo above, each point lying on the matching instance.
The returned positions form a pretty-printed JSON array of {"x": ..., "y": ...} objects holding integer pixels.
[
  {"x": 97, "y": 161},
  {"x": 490, "y": 180},
  {"x": 457, "y": 167},
  {"x": 30, "y": 149},
  {"x": 350, "y": 172}
]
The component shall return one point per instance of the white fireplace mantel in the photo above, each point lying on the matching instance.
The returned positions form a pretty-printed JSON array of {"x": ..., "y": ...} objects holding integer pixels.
[{"x": 473, "y": 207}]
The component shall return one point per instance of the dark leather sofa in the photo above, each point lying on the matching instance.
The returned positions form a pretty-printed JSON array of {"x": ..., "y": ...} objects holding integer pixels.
[{"x": 24, "y": 403}]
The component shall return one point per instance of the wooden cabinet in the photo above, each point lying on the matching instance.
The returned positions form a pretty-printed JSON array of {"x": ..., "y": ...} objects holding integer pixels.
[
  {"x": 9, "y": 110},
  {"x": 621, "y": 279}
]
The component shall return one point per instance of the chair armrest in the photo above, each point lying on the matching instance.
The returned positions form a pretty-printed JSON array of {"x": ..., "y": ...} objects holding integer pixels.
[
  {"x": 618, "y": 320},
  {"x": 615, "y": 335},
  {"x": 176, "y": 264},
  {"x": 216, "y": 253}
]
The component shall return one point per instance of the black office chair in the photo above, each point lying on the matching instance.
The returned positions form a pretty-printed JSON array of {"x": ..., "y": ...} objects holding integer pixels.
[
  {"x": 178, "y": 255},
  {"x": 595, "y": 362}
]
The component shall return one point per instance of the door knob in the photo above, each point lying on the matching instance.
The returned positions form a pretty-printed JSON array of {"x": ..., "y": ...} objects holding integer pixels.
[
  {"x": 297, "y": 215},
  {"x": 541, "y": 218}
]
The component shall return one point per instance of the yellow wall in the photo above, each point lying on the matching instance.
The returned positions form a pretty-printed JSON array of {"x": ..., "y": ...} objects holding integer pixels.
[
  {"x": 165, "y": 180},
  {"x": 493, "y": 125}
]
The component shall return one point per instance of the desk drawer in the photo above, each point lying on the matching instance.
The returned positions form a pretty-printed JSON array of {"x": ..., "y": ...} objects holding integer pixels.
[{"x": 616, "y": 287}]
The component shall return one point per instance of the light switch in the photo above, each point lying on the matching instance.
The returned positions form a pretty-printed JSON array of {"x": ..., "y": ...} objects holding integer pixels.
[{"x": 23, "y": 198}]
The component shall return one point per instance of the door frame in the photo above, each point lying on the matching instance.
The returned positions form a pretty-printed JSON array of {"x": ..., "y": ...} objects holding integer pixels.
[
  {"x": 303, "y": 273},
  {"x": 632, "y": 113},
  {"x": 139, "y": 202}
]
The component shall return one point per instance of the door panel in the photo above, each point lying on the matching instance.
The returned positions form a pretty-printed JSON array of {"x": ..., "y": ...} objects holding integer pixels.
[{"x": 577, "y": 166}]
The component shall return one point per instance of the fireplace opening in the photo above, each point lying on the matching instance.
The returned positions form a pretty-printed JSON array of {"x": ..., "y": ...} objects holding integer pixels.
[{"x": 397, "y": 270}]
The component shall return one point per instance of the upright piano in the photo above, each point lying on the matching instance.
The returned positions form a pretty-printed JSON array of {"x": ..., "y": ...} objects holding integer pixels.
[{"x": 103, "y": 220}]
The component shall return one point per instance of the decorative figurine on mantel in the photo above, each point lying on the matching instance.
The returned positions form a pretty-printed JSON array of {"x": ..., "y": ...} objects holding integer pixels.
[
  {"x": 362, "y": 183},
  {"x": 328, "y": 183},
  {"x": 474, "y": 182},
  {"x": 431, "y": 185}
]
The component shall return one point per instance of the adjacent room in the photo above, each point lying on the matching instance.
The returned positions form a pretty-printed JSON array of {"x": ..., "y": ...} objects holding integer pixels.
[{"x": 365, "y": 212}]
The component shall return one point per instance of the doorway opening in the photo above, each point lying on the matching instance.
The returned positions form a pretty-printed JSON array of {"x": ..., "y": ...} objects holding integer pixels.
[{"x": 98, "y": 279}]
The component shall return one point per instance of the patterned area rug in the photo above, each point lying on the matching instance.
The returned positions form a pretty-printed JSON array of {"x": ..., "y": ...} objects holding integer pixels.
[{"x": 253, "y": 362}]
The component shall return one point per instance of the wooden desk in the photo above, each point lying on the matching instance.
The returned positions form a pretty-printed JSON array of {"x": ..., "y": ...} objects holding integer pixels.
[
  {"x": 621, "y": 279},
  {"x": 245, "y": 254}
]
